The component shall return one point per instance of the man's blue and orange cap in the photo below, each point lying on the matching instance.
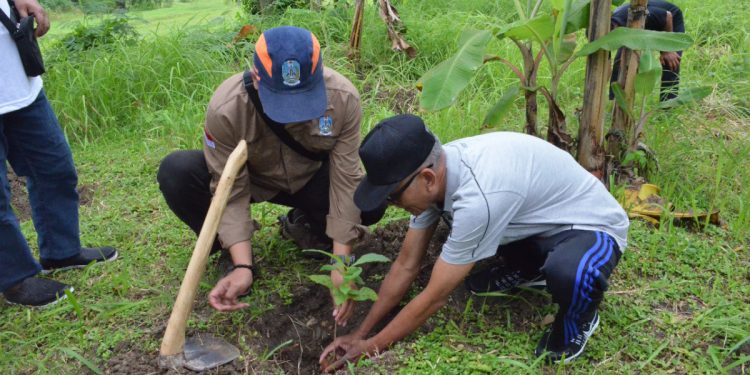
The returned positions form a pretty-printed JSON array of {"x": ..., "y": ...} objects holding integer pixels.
[{"x": 290, "y": 66}]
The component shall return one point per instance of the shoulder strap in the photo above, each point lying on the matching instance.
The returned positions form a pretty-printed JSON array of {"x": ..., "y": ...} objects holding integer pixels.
[
  {"x": 276, "y": 127},
  {"x": 10, "y": 25}
]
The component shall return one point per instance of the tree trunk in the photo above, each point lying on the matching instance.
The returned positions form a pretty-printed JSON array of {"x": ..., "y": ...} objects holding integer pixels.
[
  {"x": 356, "y": 35},
  {"x": 530, "y": 68},
  {"x": 556, "y": 132},
  {"x": 531, "y": 111},
  {"x": 622, "y": 124},
  {"x": 598, "y": 71}
]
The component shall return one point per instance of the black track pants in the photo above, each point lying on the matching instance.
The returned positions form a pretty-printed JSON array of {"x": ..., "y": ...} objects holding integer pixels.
[{"x": 577, "y": 265}]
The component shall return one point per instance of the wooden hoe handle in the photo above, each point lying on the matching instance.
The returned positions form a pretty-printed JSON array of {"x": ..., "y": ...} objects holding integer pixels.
[{"x": 174, "y": 337}]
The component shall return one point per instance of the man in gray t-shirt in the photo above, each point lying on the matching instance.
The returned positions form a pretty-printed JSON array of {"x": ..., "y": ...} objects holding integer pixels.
[{"x": 552, "y": 224}]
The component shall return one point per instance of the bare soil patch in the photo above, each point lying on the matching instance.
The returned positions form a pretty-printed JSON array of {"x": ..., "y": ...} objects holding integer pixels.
[
  {"x": 400, "y": 99},
  {"x": 20, "y": 197},
  {"x": 301, "y": 329}
]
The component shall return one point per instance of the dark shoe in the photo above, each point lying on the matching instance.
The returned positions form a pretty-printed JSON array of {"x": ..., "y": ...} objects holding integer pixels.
[
  {"x": 36, "y": 292},
  {"x": 501, "y": 278},
  {"x": 296, "y": 227},
  {"x": 570, "y": 350},
  {"x": 83, "y": 259}
]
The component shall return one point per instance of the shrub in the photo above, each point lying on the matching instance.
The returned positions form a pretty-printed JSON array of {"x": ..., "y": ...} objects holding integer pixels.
[
  {"x": 107, "y": 32},
  {"x": 57, "y": 5},
  {"x": 147, "y": 4},
  {"x": 271, "y": 6}
]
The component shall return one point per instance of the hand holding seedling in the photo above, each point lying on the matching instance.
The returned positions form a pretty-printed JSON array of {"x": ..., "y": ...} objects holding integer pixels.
[
  {"x": 344, "y": 349},
  {"x": 343, "y": 283},
  {"x": 345, "y": 292},
  {"x": 341, "y": 313}
]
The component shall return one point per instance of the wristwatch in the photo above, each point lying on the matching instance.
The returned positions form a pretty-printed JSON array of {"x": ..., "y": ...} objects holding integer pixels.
[{"x": 348, "y": 260}]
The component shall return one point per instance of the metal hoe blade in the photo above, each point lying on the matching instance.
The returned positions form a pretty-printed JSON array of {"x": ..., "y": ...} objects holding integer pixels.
[{"x": 204, "y": 351}]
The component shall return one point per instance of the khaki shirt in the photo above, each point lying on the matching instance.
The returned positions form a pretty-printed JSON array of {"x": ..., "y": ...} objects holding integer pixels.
[{"x": 273, "y": 167}]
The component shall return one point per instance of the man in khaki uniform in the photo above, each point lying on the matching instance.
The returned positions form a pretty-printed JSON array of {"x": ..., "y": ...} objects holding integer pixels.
[{"x": 301, "y": 122}]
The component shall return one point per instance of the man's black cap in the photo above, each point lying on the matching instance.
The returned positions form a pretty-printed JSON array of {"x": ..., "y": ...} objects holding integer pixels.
[{"x": 393, "y": 150}]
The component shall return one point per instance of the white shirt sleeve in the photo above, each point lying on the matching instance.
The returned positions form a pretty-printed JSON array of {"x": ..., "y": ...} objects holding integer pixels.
[{"x": 425, "y": 219}]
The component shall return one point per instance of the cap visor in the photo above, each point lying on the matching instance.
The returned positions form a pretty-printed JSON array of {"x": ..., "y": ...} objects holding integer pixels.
[
  {"x": 287, "y": 107},
  {"x": 368, "y": 197}
]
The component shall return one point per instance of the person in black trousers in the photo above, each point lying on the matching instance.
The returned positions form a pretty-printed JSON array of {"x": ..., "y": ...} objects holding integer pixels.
[{"x": 662, "y": 16}]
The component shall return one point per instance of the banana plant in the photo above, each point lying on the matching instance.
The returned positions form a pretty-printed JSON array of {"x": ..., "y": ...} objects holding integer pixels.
[
  {"x": 538, "y": 36},
  {"x": 646, "y": 80},
  {"x": 554, "y": 37},
  {"x": 627, "y": 140}
]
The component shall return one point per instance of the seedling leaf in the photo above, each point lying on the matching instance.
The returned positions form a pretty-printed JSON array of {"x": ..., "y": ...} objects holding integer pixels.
[
  {"x": 345, "y": 289},
  {"x": 364, "y": 294},
  {"x": 352, "y": 280},
  {"x": 353, "y": 274},
  {"x": 329, "y": 267},
  {"x": 338, "y": 296},
  {"x": 322, "y": 280},
  {"x": 370, "y": 258},
  {"x": 321, "y": 252}
]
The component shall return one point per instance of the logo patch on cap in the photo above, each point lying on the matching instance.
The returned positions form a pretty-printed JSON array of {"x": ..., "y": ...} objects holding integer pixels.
[
  {"x": 290, "y": 72},
  {"x": 325, "y": 124}
]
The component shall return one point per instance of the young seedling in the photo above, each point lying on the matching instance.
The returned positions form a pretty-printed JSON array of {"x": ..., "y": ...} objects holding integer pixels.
[{"x": 353, "y": 286}]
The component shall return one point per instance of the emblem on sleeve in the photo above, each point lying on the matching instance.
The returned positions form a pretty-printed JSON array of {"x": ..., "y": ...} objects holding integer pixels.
[
  {"x": 325, "y": 125},
  {"x": 209, "y": 139},
  {"x": 290, "y": 72}
]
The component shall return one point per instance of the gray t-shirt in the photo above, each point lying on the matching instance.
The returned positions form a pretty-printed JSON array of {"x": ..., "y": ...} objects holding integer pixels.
[{"x": 504, "y": 187}]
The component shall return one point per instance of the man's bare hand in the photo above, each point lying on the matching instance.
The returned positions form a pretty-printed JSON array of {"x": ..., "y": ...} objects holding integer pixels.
[
  {"x": 343, "y": 312},
  {"x": 224, "y": 296},
  {"x": 670, "y": 59},
  {"x": 349, "y": 348},
  {"x": 26, "y": 7}
]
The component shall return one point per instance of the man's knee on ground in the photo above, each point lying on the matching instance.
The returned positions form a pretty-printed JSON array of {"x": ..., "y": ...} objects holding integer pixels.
[{"x": 173, "y": 172}]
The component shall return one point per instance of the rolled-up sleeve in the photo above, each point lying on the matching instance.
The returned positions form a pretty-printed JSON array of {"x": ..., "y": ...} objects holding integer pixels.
[
  {"x": 343, "y": 216},
  {"x": 219, "y": 141}
]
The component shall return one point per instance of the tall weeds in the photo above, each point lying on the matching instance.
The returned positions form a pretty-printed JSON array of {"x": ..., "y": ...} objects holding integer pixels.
[{"x": 137, "y": 88}]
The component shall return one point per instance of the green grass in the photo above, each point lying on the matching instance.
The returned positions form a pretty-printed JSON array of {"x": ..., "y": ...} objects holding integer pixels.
[
  {"x": 678, "y": 301},
  {"x": 160, "y": 21}
]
